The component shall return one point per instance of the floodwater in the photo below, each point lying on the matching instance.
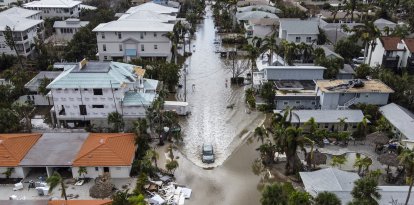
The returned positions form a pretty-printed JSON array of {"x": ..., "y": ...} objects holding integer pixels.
[{"x": 211, "y": 122}]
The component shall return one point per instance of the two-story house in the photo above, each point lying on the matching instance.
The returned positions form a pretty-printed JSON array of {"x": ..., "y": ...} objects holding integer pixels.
[
  {"x": 86, "y": 92},
  {"x": 26, "y": 25},
  {"x": 56, "y": 8},
  {"x": 388, "y": 52},
  {"x": 64, "y": 30},
  {"x": 142, "y": 34},
  {"x": 340, "y": 94},
  {"x": 298, "y": 31},
  {"x": 408, "y": 60},
  {"x": 151, "y": 6}
]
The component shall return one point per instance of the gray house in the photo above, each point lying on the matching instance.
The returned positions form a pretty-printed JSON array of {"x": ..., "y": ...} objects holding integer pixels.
[
  {"x": 340, "y": 94},
  {"x": 298, "y": 31}
]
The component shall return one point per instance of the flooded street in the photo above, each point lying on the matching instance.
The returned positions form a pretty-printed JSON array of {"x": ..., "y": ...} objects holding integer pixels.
[{"x": 210, "y": 121}]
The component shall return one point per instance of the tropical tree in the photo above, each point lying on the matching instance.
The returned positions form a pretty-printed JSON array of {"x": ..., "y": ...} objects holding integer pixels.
[
  {"x": 9, "y": 121},
  {"x": 289, "y": 50},
  {"x": 174, "y": 41},
  {"x": 276, "y": 194},
  {"x": 171, "y": 166},
  {"x": 253, "y": 53},
  {"x": 120, "y": 198},
  {"x": 260, "y": 133},
  {"x": 363, "y": 71},
  {"x": 338, "y": 161},
  {"x": 9, "y": 171},
  {"x": 365, "y": 191},
  {"x": 350, "y": 6},
  {"x": 362, "y": 128},
  {"x": 82, "y": 171},
  {"x": 137, "y": 200},
  {"x": 300, "y": 198},
  {"x": 269, "y": 44},
  {"x": 295, "y": 139},
  {"x": 368, "y": 33},
  {"x": 267, "y": 152},
  {"x": 407, "y": 161},
  {"x": 153, "y": 156},
  {"x": 8, "y": 35},
  {"x": 359, "y": 162},
  {"x": 23, "y": 111},
  {"x": 54, "y": 181},
  {"x": 268, "y": 93},
  {"x": 117, "y": 120},
  {"x": 342, "y": 123},
  {"x": 327, "y": 198}
]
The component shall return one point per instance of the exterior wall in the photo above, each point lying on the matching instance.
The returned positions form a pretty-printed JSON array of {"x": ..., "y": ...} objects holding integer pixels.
[
  {"x": 133, "y": 40},
  {"x": 303, "y": 104},
  {"x": 36, "y": 99},
  {"x": 18, "y": 172},
  {"x": 292, "y": 38},
  {"x": 58, "y": 12},
  {"x": 262, "y": 31},
  {"x": 334, "y": 126},
  {"x": 115, "y": 172},
  {"x": 23, "y": 41},
  {"x": 60, "y": 36},
  {"x": 293, "y": 74},
  {"x": 7, "y": 2},
  {"x": 333, "y": 100}
]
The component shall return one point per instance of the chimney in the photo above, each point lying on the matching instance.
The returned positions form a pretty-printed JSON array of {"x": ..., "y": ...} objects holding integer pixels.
[{"x": 82, "y": 63}]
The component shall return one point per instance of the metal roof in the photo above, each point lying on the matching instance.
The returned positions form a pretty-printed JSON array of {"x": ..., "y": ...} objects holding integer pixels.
[
  {"x": 52, "y": 4},
  {"x": 70, "y": 23},
  {"x": 17, "y": 23},
  {"x": 297, "y": 26},
  {"x": 328, "y": 116},
  {"x": 148, "y": 16},
  {"x": 132, "y": 98},
  {"x": 33, "y": 84},
  {"x": 151, "y": 6},
  {"x": 133, "y": 25},
  {"x": 20, "y": 12},
  {"x": 400, "y": 118},
  {"x": 329, "y": 179},
  {"x": 55, "y": 149}
]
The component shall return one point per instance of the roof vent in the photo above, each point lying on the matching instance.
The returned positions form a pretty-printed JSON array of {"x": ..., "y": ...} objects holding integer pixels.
[{"x": 101, "y": 141}]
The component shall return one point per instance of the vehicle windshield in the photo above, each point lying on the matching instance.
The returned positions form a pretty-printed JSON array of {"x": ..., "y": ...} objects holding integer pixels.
[{"x": 208, "y": 152}]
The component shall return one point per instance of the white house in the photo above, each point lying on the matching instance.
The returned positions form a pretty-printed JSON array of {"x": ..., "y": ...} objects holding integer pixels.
[
  {"x": 56, "y": 8},
  {"x": 338, "y": 94},
  {"x": 298, "y": 31},
  {"x": 26, "y": 25},
  {"x": 388, "y": 52},
  {"x": 329, "y": 119},
  {"x": 408, "y": 58},
  {"x": 34, "y": 96},
  {"x": 13, "y": 148},
  {"x": 87, "y": 92},
  {"x": 129, "y": 39},
  {"x": 382, "y": 24},
  {"x": 401, "y": 121},
  {"x": 64, "y": 30},
  {"x": 151, "y": 6},
  {"x": 261, "y": 27},
  {"x": 111, "y": 153}
]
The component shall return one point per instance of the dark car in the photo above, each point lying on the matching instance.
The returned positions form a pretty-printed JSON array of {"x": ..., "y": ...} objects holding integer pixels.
[{"x": 208, "y": 153}]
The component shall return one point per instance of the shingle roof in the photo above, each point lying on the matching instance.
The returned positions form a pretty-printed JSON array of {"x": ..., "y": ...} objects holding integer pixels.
[
  {"x": 80, "y": 202},
  {"x": 328, "y": 116},
  {"x": 329, "y": 179},
  {"x": 409, "y": 42},
  {"x": 391, "y": 43},
  {"x": 107, "y": 149},
  {"x": 13, "y": 147},
  {"x": 297, "y": 26},
  {"x": 400, "y": 118}
]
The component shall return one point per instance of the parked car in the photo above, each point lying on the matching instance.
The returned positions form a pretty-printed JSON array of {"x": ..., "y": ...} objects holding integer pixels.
[
  {"x": 208, "y": 153},
  {"x": 359, "y": 60}
]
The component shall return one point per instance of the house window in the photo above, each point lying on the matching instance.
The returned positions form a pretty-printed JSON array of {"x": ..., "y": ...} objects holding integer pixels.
[
  {"x": 155, "y": 34},
  {"x": 97, "y": 106},
  {"x": 85, "y": 89},
  {"x": 326, "y": 126},
  {"x": 313, "y": 103},
  {"x": 97, "y": 91},
  {"x": 119, "y": 35},
  {"x": 297, "y": 102},
  {"x": 103, "y": 35},
  {"x": 155, "y": 47},
  {"x": 76, "y": 89},
  {"x": 308, "y": 39},
  {"x": 286, "y": 103},
  {"x": 104, "y": 47},
  {"x": 96, "y": 168},
  {"x": 297, "y": 40},
  {"x": 82, "y": 110},
  {"x": 366, "y": 95},
  {"x": 142, "y": 35},
  {"x": 142, "y": 48},
  {"x": 105, "y": 57},
  {"x": 120, "y": 47}
]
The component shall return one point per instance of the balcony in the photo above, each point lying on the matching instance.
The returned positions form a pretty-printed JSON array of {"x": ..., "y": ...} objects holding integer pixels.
[{"x": 390, "y": 62}]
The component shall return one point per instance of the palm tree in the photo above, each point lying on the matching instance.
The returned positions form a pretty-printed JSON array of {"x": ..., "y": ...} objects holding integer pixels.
[
  {"x": 117, "y": 120},
  {"x": 351, "y": 5},
  {"x": 359, "y": 162},
  {"x": 260, "y": 133},
  {"x": 8, "y": 35},
  {"x": 341, "y": 124},
  {"x": 153, "y": 156},
  {"x": 289, "y": 50},
  {"x": 82, "y": 171},
  {"x": 23, "y": 111},
  {"x": 174, "y": 41},
  {"x": 338, "y": 161},
  {"x": 407, "y": 160},
  {"x": 294, "y": 140},
  {"x": 54, "y": 181},
  {"x": 276, "y": 194},
  {"x": 269, "y": 44},
  {"x": 120, "y": 198},
  {"x": 368, "y": 33},
  {"x": 9, "y": 171},
  {"x": 327, "y": 198},
  {"x": 172, "y": 166},
  {"x": 253, "y": 54},
  {"x": 365, "y": 191}
]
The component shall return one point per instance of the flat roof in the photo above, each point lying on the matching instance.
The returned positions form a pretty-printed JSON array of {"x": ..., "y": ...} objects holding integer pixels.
[
  {"x": 400, "y": 118},
  {"x": 34, "y": 83},
  {"x": 55, "y": 149},
  {"x": 341, "y": 86},
  {"x": 70, "y": 23},
  {"x": 328, "y": 116},
  {"x": 295, "y": 84}
]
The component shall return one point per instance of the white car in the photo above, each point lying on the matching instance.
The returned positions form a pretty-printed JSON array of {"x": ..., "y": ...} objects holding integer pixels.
[{"x": 359, "y": 60}]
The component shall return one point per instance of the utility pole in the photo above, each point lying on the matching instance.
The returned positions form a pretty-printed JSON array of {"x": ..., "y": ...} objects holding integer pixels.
[{"x": 185, "y": 82}]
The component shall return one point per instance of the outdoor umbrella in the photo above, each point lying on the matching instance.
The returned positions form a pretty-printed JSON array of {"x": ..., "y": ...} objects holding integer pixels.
[
  {"x": 378, "y": 138},
  {"x": 389, "y": 159}
]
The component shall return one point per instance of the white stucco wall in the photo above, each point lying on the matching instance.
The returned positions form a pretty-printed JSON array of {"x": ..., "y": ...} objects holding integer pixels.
[
  {"x": 18, "y": 172},
  {"x": 115, "y": 172}
]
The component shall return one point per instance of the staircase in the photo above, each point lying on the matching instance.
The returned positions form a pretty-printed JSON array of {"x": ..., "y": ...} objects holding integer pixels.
[{"x": 347, "y": 104}]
